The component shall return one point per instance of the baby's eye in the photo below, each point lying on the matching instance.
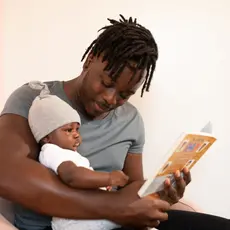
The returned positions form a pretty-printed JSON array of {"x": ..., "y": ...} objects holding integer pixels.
[{"x": 69, "y": 130}]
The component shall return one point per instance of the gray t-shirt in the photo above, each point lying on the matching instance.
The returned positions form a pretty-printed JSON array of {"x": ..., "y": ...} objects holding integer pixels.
[{"x": 105, "y": 142}]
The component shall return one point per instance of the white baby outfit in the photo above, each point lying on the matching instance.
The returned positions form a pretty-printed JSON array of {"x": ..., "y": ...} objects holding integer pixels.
[{"x": 52, "y": 156}]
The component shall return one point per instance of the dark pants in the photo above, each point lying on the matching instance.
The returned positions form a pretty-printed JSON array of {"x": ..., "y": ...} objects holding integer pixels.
[{"x": 180, "y": 220}]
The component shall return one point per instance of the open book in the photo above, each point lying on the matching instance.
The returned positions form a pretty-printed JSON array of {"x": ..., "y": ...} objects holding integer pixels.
[{"x": 189, "y": 148}]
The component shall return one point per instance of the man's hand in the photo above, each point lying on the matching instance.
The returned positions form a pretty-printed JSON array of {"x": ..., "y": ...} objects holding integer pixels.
[
  {"x": 173, "y": 194},
  {"x": 136, "y": 212},
  {"x": 118, "y": 178},
  {"x": 148, "y": 212}
]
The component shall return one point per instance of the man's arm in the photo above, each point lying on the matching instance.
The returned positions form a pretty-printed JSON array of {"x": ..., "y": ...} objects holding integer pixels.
[
  {"x": 133, "y": 167},
  {"x": 25, "y": 181},
  {"x": 44, "y": 192}
]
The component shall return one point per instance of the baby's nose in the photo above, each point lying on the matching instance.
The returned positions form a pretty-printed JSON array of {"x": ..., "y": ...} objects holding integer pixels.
[{"x": 75, "y": 134}]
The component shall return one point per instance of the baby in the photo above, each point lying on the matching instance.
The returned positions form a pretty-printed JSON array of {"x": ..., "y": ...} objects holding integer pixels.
[{"x": 55, "y": 125}]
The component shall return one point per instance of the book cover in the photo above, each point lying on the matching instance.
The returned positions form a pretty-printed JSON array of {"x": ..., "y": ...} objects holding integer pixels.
[{"x": 186, "y": 153}]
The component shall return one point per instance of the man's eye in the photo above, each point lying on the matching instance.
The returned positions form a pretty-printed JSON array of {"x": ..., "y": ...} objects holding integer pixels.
[
  {"x": 106, "y": 85},
  {"x": 123, "y": 96}
]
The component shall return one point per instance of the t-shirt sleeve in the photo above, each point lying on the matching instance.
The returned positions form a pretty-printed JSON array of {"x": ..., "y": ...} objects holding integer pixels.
[
  {"x": 52, "y": 156},
  {"x": 19, "y": 101},
  {"x": 138, "y": 144}
]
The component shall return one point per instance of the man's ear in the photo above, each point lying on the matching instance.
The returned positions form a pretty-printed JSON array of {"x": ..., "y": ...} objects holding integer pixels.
[{"x": 89, "y": 59}]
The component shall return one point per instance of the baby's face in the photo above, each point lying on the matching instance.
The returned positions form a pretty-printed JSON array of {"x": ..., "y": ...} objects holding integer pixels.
[{"x": 66, "y": 137}]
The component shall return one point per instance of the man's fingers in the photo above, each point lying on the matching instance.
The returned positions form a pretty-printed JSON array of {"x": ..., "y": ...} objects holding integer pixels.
[
  {"x": 180, "y": 183},
  {"x": 158, "y": 217},
  {"x": 153, "y": 224},
  {"x": 160, "y": 204},
  {"x": 187, "y": 176},
  {"x": 172, "y": 194},
  {"x": 156, "y": 212},
  {"x": 167, "y": 186},
  {"x": 161, "y": 216},
  {"x": 169, "y": 193}
]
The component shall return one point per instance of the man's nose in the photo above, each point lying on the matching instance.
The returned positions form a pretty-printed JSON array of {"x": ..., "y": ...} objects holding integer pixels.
[{"x": 111, "y": 97}]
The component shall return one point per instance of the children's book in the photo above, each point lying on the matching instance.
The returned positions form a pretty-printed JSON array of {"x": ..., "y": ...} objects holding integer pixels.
[{"x": 186, "y": 152}]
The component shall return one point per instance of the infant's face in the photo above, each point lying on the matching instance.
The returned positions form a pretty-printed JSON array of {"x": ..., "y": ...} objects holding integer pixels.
[{"x": 66, "y": 137}]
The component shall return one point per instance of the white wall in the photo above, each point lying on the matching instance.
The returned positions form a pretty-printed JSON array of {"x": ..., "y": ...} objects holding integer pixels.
[{"x": 45, "y": 40}]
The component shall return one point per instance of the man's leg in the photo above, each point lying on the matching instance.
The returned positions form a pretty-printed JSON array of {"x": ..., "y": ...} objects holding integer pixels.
[
  {"x": 48, "y": 228},
  {"x": 123, "y": 228},
  {"x": 182, "y": 220}
]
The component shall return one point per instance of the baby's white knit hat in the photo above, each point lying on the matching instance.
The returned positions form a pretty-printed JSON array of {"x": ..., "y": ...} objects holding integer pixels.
[{"x": 48, "y": 112}]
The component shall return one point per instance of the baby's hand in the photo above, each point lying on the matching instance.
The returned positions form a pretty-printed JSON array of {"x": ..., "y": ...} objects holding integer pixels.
[{"x": 118, "y": 178}]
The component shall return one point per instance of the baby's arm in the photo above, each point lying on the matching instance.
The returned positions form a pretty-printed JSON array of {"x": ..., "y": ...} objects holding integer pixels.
[
  {"x": 81, "y": 177},
  {"x": 74, "y": 170}
]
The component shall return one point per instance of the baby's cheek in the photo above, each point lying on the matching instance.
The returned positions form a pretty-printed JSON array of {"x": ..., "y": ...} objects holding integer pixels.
[{"x": 80, "y": 139}]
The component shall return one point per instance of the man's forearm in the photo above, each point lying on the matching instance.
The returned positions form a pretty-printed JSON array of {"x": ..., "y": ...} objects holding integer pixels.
[
  {"x": 80, "y": 177},
  {"x": 30, "y": 184},
  {"x": 25, "y": 181}
]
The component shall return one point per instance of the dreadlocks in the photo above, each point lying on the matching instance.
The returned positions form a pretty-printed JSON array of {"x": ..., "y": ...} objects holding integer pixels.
[{"x": 124, "y": 41}]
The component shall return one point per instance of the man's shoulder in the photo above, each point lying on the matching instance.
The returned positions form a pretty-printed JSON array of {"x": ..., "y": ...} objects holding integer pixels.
[{"x": 21, "y": 99}]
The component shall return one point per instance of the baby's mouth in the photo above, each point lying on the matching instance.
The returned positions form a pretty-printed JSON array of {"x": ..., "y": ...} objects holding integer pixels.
[{"x": 76, "y": 144}]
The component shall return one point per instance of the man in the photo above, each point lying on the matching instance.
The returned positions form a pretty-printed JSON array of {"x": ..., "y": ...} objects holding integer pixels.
[{"x": 117, "y": 63}]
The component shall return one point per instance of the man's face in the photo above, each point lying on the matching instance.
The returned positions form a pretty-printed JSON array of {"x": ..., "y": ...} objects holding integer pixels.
[
  {"x": 100, "y": 94},
  {"x": 66, "y": 137}
]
